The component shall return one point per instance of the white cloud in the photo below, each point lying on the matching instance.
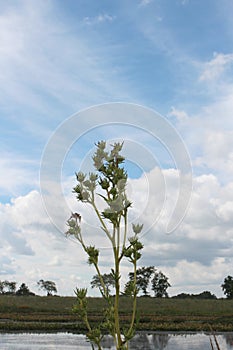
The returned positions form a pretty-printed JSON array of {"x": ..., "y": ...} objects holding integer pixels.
[
  {"x": 69, "y": 70},
  {"x": 16, "y": 174},
  {"x": 208, "y": 134},
  {"x": 198, "y": 278},
  {"x": 199, "y": 245},
  {"x": 203, "y": 243},
  {"x": 101, "y": 18},
  {"x": 145, "y": 3},
  {"x": 180, "y": 115},
  {"x": 6, "y": 265},
  {"x": 225, "y": 211},
  {"x": 55, "y": 261},
  {"x": 213, "y": 69}
]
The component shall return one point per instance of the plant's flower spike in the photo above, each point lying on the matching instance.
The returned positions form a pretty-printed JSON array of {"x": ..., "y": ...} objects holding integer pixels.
[
  {"x": 80, "y": 293},
  {"x": 128, "y": 252},
  {"x": 120, "y": 159},
  {"x": 117, "y": 147},
  {"x": 98, "y": 158},
  {"x": 85, "y": 196},
  {"x": 98, "y": 162},
  {"x": 93, "y": 177},
  {"x": 76, "y": 216},
  {"x": 104, "y": 183},
  {"x": 90, "y": 185},
  {"x": 111, "y": 215},
  {"x": 71, "y": 223},
  {"x": 113, "y": 191},
  {"x": 137, "y": 228},
  {"x": 132, "y": 240},
  {"x": 101, "y": 145},
  {"x": 121, "y": 184},
  {"x": 117, "y": 205},
  {"x": 80, "y": 176},
  {"x": 79, "y": 190},
  {"x": 82, "y": 195},
  {"x": 87, "y": 184},
  {"x": 74, "y": 228},
  {"x": 93, "y": 254}
]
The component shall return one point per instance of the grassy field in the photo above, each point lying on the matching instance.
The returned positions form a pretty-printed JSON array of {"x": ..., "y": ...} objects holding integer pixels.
[{"x": 35, "y": 313}]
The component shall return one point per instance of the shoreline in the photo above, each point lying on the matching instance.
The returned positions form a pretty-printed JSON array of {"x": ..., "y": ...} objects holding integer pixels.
[
  {"x": 79, "y": 328},
  {"x": 148, "y": 332}
]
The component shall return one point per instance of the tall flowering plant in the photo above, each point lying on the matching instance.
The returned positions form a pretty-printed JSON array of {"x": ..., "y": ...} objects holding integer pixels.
[{"x": 111, "y": 177}]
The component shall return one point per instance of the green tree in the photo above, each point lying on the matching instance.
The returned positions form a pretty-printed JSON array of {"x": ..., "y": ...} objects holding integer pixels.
[
  {"x": 144, "y": 275},
  {"x": 108, "y": 279},
  {"x": 2, "y": 287},
  {"x": 160, "y": 285},
  {"x": 11, "y": 287},
  {"x": 48, "y": 286},
  {"x": 7, "y": 287},
  {"x": 227, "y": 287},
  {"x": 24, "y": 290},
  {"x": 110, "y": 181}
]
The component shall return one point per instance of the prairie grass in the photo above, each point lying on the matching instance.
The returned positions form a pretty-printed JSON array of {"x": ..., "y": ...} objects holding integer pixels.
[{"x": 55, "y": 313}]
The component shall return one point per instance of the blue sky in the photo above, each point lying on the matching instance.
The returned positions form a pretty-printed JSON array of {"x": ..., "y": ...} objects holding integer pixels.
[{"x": 58, "y": 58}]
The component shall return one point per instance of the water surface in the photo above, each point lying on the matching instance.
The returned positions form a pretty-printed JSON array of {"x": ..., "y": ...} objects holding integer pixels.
[{"x": 142, "y": 341}]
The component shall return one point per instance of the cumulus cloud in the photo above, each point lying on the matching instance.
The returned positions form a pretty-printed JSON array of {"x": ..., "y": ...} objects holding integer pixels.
[
  {"x": 199, "y": 252},
  {"x": 197, "y": 277},
  {"x": 214, "y": 68},
  {"x": 6, "y": 266},
  {"x": 208, "y": 135},
  {"x": 225, "y": 212},
  {"x": 16, "y": 173},
  {"x": 37, "y": 249},
  {"x": 217, "y": 151},
  {"x": 204, "y": 238},
  {"x": 202, "y": 244}
]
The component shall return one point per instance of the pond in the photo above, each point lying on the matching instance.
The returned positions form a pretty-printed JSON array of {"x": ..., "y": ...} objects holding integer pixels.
[{"x": 142, "y": 341}]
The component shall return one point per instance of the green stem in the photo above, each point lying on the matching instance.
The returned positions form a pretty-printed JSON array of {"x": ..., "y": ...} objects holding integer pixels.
[
  {"x": 118, "y": 241},
  {"x": 134, "y": 299},
  {"x": 125, "y": 229},
  {"x": 116, "y": 306},
  {"x": 102, "y": 282},
  {"x": 102, "y": 221},
  {"x": 90, "y": 330},
  {"x": 87, "y": 323},
  {"x": 125, "y": 235},
  {"x": 114, "y": 236}
]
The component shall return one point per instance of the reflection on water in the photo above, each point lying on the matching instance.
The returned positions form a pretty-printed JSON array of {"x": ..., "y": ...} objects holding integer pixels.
[
  {"x": 142, "y": 341},
  {"x": 149, "y": 342},
  {"x": 229, "y": 339}
]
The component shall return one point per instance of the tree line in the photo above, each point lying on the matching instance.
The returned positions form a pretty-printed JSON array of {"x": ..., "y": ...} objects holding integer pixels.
[
  {"x": 9, "y": 288},
  {"x": 147, "y": 277},
  {"x": 157, "y": 281}
]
